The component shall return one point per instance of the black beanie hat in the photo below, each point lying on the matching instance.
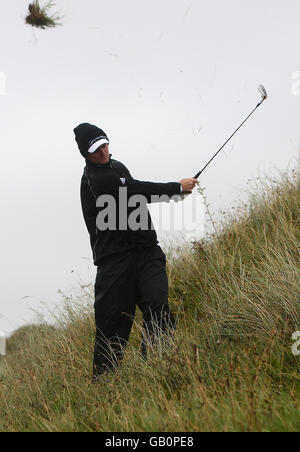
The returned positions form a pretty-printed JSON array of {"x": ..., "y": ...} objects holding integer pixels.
[{"x": 86, "y": 135}]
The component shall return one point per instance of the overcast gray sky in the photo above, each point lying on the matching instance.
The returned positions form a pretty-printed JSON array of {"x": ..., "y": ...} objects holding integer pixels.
[{"x": 168, "y": 80}]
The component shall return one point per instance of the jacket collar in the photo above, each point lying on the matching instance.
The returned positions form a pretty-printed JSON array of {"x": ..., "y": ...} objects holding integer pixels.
[{"x": 97, "y": 165}]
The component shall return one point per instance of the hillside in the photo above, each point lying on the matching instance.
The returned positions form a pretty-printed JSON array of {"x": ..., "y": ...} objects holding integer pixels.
[{"x": 230, "y": 367}]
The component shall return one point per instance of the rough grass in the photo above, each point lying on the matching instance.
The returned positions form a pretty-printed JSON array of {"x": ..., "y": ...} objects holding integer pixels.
[{"x": 230, "y": 367}]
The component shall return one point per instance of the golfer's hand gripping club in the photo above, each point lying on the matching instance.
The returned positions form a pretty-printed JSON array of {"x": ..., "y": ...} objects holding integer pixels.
[
  {"x": 188, "y": 185},
  {"x": 187, "y": 188}
]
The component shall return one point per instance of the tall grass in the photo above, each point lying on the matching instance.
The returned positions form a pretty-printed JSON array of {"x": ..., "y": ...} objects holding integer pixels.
[{"x": 230, "y": 366}]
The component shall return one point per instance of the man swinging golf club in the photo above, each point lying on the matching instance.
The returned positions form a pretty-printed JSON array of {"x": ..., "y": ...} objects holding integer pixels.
[{"x": 131, "y": 267}]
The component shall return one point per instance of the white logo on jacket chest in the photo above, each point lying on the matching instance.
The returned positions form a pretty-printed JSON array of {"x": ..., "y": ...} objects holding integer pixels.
[{"x": 123, "y": 180}]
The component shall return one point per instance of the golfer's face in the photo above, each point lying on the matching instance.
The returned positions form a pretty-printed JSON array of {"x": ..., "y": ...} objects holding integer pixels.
[{"x": 100, "y": 156}]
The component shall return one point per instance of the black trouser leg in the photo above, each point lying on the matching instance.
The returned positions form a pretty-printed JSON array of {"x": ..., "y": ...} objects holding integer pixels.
[
  {"x": 115, "y": 297},
  {"x": 124, "y": 280},
  {"x": 152, "y": 296}
]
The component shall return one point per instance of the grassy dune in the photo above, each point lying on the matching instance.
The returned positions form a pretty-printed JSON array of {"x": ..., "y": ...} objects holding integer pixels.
[{"x": 230, "y": 367}]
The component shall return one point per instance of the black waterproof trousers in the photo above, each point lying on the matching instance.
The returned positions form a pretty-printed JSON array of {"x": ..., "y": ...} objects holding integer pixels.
[{"x": 135, "y": 277}]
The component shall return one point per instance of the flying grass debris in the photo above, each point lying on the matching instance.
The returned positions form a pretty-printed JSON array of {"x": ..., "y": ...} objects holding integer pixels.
[{"x": 38, "y": 16}]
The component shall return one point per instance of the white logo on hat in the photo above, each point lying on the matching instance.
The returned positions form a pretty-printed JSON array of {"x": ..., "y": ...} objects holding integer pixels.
[
  {"x": 91, "y": 142},
  {"x": 123, "y": 180}
]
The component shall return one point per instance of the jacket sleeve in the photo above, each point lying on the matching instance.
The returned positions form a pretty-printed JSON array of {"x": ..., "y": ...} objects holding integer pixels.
[
  {"x": 149, "y": 189},
  {"x": 111, "y": 186}
]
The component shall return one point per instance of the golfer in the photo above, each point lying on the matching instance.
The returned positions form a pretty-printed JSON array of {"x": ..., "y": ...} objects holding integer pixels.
[{"x": 131, "y": 267}]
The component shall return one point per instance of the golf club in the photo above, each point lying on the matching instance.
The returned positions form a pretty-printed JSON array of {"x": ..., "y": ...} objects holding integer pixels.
[{"x": 264, "y": 94}]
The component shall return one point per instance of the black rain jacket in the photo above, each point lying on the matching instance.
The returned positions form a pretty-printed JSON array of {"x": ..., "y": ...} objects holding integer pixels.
[{"x": 106, "y": 179}]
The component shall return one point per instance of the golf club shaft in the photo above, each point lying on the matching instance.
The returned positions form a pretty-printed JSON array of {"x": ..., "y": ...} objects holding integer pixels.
[{"x": 200, "y": 172}]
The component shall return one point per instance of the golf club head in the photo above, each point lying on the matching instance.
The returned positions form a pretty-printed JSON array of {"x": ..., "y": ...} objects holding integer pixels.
[{"x": 263, "y": 92}]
